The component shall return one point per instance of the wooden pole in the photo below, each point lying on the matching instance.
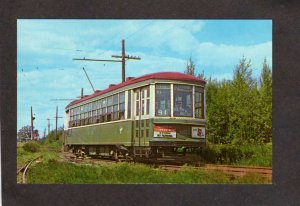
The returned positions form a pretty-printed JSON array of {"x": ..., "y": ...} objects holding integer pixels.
[
  {"x": 48, "y": 126},
  {"x": 123, "y": 60},
  {"x": 56, "y": 117},
  {"x": 31, "y": 119}
]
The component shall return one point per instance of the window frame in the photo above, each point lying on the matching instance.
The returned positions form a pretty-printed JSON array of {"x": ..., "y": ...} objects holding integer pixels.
[
  {"x": 201, "y": 107},
  {"x": 191, "y": 100},
  {"x": 156, "y": 102}
]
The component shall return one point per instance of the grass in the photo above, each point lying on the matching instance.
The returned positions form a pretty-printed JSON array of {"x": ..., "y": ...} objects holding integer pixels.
[
  {"x": 54, "y": 172},
  {"x": 51, "y": 170},
  {"x": 261, "y": 155},
  {"x": 48, "y": 151}
]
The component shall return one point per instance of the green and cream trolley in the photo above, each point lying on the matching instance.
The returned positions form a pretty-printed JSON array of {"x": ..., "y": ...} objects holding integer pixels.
[{"x": 148, "y": 116}]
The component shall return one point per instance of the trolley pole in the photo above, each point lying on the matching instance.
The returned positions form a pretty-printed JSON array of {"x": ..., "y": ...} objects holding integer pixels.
[{"x": 88, "y": 79}]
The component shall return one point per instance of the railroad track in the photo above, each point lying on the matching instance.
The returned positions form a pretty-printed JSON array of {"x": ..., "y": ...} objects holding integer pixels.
[
  {"x": 240, "y": 170},
  {"x": 87, "y": 160},
  {"x": 24, "y": 169},
  {"x": 229, "y": 169}
]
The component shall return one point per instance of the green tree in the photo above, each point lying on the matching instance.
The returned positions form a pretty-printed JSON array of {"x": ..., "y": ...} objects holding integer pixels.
[
  {"x": 24, "y": 133},
  {"x": 238, "y": 111},
  {"x": 190, "y": 67},
  {"x": 265, "y": 102},
  {"x": 218, "y": 113},
  {"x": 243, "y": 106},
  {"x": 51, "y": 136}
]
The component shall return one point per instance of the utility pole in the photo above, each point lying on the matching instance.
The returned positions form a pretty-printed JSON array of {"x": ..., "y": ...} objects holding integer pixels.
[
  {"x": 31, "y": 120},
  {"x": 123, "y": 60},
  {"x": 56, "y": 117},
  {"x": 48, "y": 126},
  {"x": 124, "y": 57},
  {"x": 44, "y": 133}
]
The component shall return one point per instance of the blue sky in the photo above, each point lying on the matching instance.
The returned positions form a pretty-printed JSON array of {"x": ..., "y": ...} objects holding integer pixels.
[{"x": 45, "y": 48}]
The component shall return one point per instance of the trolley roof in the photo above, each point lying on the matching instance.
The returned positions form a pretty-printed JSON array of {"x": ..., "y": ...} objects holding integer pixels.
[{"x": 158, "y": 75}]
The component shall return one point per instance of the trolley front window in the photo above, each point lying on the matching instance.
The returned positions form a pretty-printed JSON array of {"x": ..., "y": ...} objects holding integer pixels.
[
  {"x": 183, "y": 100},
  {"x": 162, "y": 100}
]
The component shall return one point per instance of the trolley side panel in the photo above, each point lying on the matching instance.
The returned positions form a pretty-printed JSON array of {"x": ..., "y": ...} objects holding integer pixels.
[{"x": 104, "y": 134}]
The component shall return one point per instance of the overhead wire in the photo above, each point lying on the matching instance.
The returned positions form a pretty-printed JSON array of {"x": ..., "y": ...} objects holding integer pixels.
[
  {"x": 22, "y": 72},
  {"x": 127, "y": 37},
  {"x": 130, "y": 35}
]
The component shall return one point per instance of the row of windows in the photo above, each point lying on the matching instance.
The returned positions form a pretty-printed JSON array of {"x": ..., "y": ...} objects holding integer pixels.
[
  {"x": 182, "y": 100},
  {"x": 104, "y": 110},
  {"x": 112, "y": 108}
]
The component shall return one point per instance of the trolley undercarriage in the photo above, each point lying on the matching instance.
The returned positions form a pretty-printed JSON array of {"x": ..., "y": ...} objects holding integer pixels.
[{"x": 173, "y": 153}]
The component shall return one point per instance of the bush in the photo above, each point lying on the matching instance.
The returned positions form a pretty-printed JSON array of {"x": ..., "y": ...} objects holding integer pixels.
[
  {"x": 31, "y": 147},
  {"x": 225, "y": 154},
  {"x": 248, "y": 154}
]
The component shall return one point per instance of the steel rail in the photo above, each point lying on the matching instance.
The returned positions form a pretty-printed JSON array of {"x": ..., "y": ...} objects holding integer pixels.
[{"x": 25, "y": 168}]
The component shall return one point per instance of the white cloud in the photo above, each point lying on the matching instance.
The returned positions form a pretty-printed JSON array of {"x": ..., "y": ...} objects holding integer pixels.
[{"x": 225, "y": 57}]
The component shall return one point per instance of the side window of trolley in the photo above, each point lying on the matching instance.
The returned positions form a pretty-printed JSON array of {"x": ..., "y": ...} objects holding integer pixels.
[
  {"x": 122, "y": 105},
  {"x": 71, "y": 117},
  {"x": 109, "y": 108},
  {"x": 183, "y": 100},
  {"x": 74, "y": 117},
  {"x": 103, "y": 115},
  {"x": 145, "y": 100},
  {"x": 199, "y": 102},
  {"x": 162, "y": 100},
  {"x": 94, "y": 111},
  {"x": 86, "y": 110},
  {"x": 81, "y": 115},
  {"x": 77, "y": 116},
  {"x": 115, "y": 107},
  {"x": 99, "y": 111},
  {"x": 148, "y": 100},
  {"x": 137, "y": 102},
  {"x": 91, "y": 113},
  {"x": 129, "y": 105}
]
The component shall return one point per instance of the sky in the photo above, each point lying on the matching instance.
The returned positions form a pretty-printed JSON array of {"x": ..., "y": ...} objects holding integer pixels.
[{"x": 45, "y": 49}]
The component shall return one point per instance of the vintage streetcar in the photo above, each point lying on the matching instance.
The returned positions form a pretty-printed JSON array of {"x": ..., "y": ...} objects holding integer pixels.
[{"x": 152, "y": 116}]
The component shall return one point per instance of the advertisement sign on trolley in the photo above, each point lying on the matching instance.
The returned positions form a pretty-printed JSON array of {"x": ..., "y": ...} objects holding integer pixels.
[
  {"x": 198, "y": 132},
  {"x": 164, "y": 131}
]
